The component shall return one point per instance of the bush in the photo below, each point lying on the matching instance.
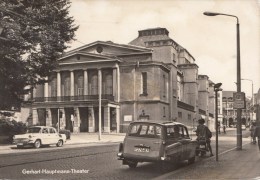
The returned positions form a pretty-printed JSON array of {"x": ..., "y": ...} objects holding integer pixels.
[{"x": 11, "y": 127}]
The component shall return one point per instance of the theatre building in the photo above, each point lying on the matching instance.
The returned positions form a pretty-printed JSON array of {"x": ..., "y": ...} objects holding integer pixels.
[{"x": 151, "y": 78}]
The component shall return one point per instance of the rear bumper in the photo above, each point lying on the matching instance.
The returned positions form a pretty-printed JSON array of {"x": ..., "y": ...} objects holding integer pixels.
[{"x": 140, "y": 158}]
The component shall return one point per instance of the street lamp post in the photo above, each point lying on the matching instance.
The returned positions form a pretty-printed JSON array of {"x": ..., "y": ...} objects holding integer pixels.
[
  {"x": 216, "y": 89},
  {"x": 239, "y": 111},
  {"x": 252, "y": 95}
]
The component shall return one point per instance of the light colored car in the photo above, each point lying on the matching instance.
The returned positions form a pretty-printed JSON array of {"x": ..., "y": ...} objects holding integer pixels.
[
  {"x": 156, "y": 142},
  {"x": 38, "y": 136}
]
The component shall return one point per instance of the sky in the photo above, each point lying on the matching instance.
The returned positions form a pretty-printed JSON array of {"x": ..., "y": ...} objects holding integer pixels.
[{"x": 211, "y": 40}]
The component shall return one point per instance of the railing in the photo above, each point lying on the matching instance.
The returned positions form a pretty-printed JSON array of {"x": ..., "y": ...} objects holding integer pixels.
[{"x": 74, "y": 98}]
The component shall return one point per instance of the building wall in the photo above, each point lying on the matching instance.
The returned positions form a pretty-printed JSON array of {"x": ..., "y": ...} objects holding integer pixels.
[{"x": 159, "y": 60}]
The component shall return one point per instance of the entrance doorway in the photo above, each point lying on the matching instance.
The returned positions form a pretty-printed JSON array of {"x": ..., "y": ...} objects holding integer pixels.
[
  {"x": 96, "y": 115},
  {"x": 83, "y": 111}
]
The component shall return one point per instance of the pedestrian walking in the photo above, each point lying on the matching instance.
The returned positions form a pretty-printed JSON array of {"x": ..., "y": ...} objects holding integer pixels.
[
  {"x": 252, "y": 130},
  {"x": 224, "y": 128},
  {"x": 257, "y": 134},
  {"x": 219, "y": 128}
]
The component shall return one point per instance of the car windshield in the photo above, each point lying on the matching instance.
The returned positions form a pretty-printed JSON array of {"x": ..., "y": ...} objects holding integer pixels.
[
  {"x": 34, "y": 130},
  {"x": 145, "y": 130}
]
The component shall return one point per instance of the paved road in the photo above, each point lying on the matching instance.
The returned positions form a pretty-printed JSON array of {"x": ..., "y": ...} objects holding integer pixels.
[{"x": 87, "y": 162}]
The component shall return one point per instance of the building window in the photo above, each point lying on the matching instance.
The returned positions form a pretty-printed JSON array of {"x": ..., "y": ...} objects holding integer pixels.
[
  {"x": 164, "y": 112},
  {"x": 144, "y": 84},
  {"x": 94, "y": 85},
  {"x": 189, "y": 116},
  {"x": 164, "y": 86},
  {"x": 80, "y": 82},
  {"x": 180, "y": 115}
]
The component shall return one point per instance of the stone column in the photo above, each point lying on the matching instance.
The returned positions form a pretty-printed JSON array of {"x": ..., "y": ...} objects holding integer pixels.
[
  {"x": 118, "y": 83},
  {"x": 72, "y": 94},
  {"x": 48, "y": 117},
  {"x": 91, "y": 119},
  {"x": 114, "y": 83},
  {"x": 35, "y": 119},
  {"x": 62, "y": 119},
  {"x": 58, "y": 85},
  {"x": 99, "y": 101},
  {"x": 46, "y": 90},
  {"x": 117, "y": 119},
  {"x": 107, "y": 119},
  {"x": 76, "y": 126},
  {"x": 85, "y": 82}
]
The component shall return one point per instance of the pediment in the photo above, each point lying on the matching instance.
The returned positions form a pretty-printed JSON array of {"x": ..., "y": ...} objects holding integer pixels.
[
  {"x": 78, "y": 57},
  {"x": 109, "y": 48}
]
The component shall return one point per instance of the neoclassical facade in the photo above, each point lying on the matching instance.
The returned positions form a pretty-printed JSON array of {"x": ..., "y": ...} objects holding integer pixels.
[{"x": 108, "y": 85}]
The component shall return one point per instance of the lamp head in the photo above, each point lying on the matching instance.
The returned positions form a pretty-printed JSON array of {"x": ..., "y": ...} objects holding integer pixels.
[
  {"x": 210, "y": 13},
  {"x": 216, "y": 86}
]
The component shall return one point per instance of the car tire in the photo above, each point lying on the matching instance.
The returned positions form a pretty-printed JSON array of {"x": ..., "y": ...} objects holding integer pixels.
[
  {"x": 132, "y": 164},
  {"x": 37, "y": 144},
  {"x": 59, "y": 143}
]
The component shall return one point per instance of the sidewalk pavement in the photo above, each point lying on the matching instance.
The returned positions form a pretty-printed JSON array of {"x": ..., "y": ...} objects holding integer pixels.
[
  {"x": 232, "y": 164},
  {"x": 83, "y": 138}
]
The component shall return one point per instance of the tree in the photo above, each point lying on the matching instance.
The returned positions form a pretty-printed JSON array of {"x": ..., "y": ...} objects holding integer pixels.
[{"x": 35, "y": 34}]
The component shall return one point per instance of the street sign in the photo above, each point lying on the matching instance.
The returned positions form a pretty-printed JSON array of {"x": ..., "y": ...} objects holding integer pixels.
[{"x": 239, "y": 100}]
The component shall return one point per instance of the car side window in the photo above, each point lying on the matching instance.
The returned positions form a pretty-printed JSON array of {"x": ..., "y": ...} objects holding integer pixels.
[
  {"x": 185, "y": 132},
  {"x": 174, "y": 132},
  {"x": 45, "y": 130},
  {"x": 52, "y": 131}
]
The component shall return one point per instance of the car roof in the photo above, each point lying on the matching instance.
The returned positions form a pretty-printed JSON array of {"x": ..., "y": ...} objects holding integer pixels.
[{"x": 163, "y": 123}]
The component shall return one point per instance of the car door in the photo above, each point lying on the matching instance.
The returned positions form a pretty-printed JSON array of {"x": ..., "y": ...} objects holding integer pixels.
[
  {"x": 190, "y": 145},
  {"x": 45, "y": 139},
  {"x": 53, "y": 136},
  {"x": 174, "y": 145}
]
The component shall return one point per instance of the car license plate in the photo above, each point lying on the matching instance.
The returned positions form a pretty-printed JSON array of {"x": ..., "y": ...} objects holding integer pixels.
[
  {"x": 19, "y": 144},
  {"x": 141, "y": 150},
  {"x": 202, "y": 146}
]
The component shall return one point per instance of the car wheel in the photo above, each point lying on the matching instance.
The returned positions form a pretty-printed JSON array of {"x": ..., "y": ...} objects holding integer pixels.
[
  {"x": 191, "y": 160},
  {"x": 37, "y": 144},
  {"x": 132, "y": 164},
  {"x": 59, "y": 143}
]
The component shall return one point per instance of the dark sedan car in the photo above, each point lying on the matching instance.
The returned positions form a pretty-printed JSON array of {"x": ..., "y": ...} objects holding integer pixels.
[
  {"x": 148, "y": 141},
  {"x": 66, "y": 132}
]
